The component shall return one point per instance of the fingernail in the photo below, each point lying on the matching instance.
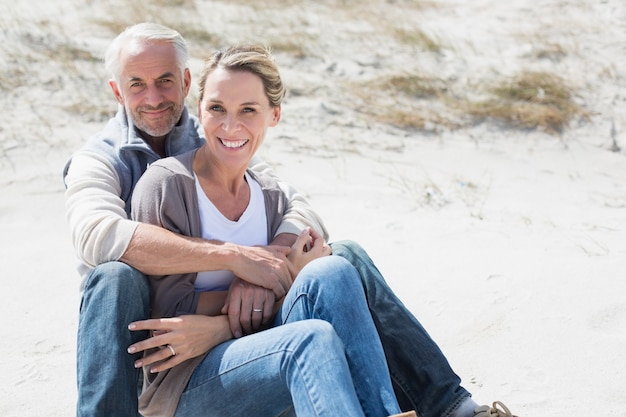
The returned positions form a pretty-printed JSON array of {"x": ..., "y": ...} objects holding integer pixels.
[
  {"x": 237, "y": 335},
  {"x": 138, "y": 364},
  {"x": 132, "y": 349},
  {"x": 131, "y": 326},
  {"x": 153, "y": 370}
]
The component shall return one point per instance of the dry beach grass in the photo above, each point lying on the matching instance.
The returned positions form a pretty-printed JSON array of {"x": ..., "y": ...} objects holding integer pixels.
[{"x": 475, "y": 149}]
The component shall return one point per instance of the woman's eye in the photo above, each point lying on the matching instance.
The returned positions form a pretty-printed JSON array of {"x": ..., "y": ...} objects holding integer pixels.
[{"x": 215, "y": 108}]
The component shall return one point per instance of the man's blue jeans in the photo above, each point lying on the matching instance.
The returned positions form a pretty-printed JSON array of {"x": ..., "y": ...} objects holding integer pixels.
[
  {"x": 107, "y": 380},
  {"x": 422, "y": 377},
  {"x": 322, "y": 357},
  {"x": 115, "y": 295}
]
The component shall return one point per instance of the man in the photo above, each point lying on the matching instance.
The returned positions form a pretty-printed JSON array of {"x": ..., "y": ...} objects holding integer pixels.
[{"x": 150, "y": 82}]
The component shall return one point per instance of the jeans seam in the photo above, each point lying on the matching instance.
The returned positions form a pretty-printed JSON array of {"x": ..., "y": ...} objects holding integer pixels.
[
  {"x": 234, "y": 368},
  {"x": 293, "y": 304}
]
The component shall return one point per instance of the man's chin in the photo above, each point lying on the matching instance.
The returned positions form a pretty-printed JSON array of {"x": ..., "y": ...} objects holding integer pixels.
[{"x": 156, "y": 131}]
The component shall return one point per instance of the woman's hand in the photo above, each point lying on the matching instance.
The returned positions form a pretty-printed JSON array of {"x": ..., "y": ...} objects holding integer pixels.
[
  {"x": 178, "y": 339},
  {"x": 309, "y": 245}
]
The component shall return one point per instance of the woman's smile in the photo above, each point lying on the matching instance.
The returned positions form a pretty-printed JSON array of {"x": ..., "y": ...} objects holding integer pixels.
[{"x": 233, "y": 143}]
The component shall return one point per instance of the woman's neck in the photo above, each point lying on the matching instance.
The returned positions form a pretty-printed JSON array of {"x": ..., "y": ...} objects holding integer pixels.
[{"x": 225, "y": 186}]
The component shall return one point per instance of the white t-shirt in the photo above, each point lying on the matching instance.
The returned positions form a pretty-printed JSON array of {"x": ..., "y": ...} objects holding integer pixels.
[{"x": 249, "y": 230}]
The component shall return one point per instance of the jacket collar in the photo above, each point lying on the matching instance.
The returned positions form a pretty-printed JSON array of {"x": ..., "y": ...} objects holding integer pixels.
[{"x": 178, "y": 140}]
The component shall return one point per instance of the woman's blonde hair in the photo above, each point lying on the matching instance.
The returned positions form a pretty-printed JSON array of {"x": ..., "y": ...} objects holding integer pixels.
[{"x": 249, "y": 58}]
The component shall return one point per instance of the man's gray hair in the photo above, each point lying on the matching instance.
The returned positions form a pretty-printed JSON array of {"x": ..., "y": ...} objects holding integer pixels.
[{"x": 152, "y": 32}]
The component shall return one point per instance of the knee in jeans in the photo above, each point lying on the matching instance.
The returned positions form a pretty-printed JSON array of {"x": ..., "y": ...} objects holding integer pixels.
[
  {"x": 120, "y": 278},
  {"x": 346, "y": 248},
  {"x": 333, "y": 273},
  {"x": 351, "y": 251},
  {"x": 320, "y": 336},
  {"x": 344, "y": 277}
]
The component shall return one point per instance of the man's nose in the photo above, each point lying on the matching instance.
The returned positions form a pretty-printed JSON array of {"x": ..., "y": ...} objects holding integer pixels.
[{"x": 153, "y": 96}]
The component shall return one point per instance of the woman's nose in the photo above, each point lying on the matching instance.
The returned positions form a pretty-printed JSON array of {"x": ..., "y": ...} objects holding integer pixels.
[{"x": 230, "y": 123}]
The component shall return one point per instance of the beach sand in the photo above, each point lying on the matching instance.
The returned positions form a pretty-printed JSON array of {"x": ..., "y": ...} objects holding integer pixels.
[{"x": 509, "y": 245}]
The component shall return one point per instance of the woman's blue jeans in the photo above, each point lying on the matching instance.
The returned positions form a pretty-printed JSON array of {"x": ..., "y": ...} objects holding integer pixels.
[
  {"x": 116, "y": 294},
  {"x": 322, "y": 357}
]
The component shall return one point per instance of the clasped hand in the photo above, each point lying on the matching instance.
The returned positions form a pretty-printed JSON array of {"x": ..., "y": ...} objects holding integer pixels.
[{"x": 251, "y": 306}]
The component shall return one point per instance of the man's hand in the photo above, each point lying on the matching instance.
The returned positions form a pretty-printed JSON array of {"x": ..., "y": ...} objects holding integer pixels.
[
  {"x": 188, "y": 337},
  {"x": 264, "y": 266},
  {"x": 249, "y": 307},
  {"x": 244, "y": 298}
]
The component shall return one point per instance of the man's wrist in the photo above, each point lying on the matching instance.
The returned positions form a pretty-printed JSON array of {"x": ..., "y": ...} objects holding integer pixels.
[{"x": 224, "y": 255}]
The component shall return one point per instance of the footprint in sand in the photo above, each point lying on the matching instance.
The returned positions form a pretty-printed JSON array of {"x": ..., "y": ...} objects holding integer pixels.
[
  {"x": 611, "y": 321},
  {"x": 31, "y": 373}
]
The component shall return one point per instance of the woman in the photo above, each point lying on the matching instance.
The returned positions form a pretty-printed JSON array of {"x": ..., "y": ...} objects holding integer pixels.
[{"x": 321, "y": 354}]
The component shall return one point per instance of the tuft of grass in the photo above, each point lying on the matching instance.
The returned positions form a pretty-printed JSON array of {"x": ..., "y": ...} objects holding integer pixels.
[
  {"x": 293, "y": 46},
  {"x": 174, "y": 13},
  {"x": 197, "y": 35},
  {"x": 416, "y": 38},
  {"x": 67, "y": 51},
  {"x": 13, "y": 78},
  {"x": 530, "y": 100},
  {"x": 179, "y": 14},
  {"x": 200, "y": 41},
  {"x": 410, "y": 118},
  {"x": 553, "y": 52},
  {"x": 90, "y": 112},
  {"x": 416, "y": 86},
  {"x": 539, "y": 87},
  {"x": 405, "y": 101}
]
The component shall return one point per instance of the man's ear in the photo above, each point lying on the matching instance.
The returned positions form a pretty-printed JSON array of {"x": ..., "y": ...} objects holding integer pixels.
[
  {"x": 187, "y": 81},
  {"x": 116, "y": 92}
]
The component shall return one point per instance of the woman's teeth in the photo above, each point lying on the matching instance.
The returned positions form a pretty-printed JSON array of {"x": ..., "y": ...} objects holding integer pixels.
[{"x": 233, "y": 143}]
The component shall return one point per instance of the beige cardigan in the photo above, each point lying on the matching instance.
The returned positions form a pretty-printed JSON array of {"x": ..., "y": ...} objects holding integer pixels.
[{"x": 166, "y": 196}]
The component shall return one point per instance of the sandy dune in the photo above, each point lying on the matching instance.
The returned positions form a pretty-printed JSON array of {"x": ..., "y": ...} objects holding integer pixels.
[{"x": 509, "y": 245}]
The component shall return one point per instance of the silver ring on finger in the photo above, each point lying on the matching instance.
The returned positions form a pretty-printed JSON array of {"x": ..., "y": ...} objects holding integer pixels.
[
  {"x": 257, "y": 310},
  {"x": 171, "y": 350}
]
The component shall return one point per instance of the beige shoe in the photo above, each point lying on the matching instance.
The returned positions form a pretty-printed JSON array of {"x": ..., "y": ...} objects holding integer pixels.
[
  {"x": 486, "y": 411},
  {"x": 407, "y": 414}
]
